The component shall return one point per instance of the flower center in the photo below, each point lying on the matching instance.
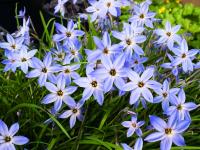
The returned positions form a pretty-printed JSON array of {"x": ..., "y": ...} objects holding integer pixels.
[
  {"x": 141, "y": 84},
  {"x": 136, "y": 61},
  {"x": 94, "y": 83},
  {"x": 168, "y": 131},
  {"x": 60, "y": 55},
  {"x": 74, "y": 110},
  {"x": 108, "y": 4},
  {"x": 183, "y": 55},
  {"x": 113, "y": 72},
  {"x": 60, "y": 93},
  {"x": 67, "y": 71},
  {"x": 165, "y": 95},
  {"x": 68, "y": 34},
  {"x": 98, "y": 62},
  {"x": 106, "y": 51},
  {"x": 13, "y": 46},
  {"x": 128, "y": 42},
  {"x": 179, "y": 107},
  {"x": 7, "y": 139},
  {"x": 23, "y": 59},
  {"x": 134, "y": 125},
  {"x": 142, "y": 16},
  {"x": 168, "y": 34},
  {"x": 12, "y": 60},
  {"x": 73, "y": 52},
  {"x": 44, "y": 70}
]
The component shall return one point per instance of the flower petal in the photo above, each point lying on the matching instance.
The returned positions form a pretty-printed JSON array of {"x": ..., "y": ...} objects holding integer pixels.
[
  {"x": 153, "y": 137},
  {"x": 66, "y": 114},
  {"x": 138, "y": 144},
  {"x": 20, "y": 140},
  {"x": 147, "y": 95},
  {"x": 182, "y": 126},
  {"x": 166, "y": 144},
  {"x": 14, "y": 129},
  {"x": 135, "y": 96},
  {"x": 51, "y": 87},
  {"x": 178, "y": 140},
  {"x": 147, "y": 74},
  {"x": 72, "y": 121},
  {"x": 158, "y": 123},
  {"x": 3, "y": 128}
]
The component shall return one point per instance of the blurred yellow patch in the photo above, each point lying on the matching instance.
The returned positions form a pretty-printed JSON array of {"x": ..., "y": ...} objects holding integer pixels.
[
  {"x": 167, "y": 1},
  {"x": 161, "y": 10},
  {"x": 178, "y": 1}
]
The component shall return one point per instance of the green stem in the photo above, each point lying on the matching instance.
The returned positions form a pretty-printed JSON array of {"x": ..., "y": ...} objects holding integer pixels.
[
  {"x": 80, "y": 133},
  {"x": 16, "y": 6}
]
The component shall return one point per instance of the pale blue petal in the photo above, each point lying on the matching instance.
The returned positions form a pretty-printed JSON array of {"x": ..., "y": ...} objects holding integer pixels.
[
  {"x": 98, "y": 43},
  {"x": 3, "y": 128},
  {"x": 119, "y": 82},
  {"x": 108, "y": 84},
  {"x": 70, "y": 25},
  {"x": 98, "y": 94},
  {"x": 82, "y": 82},
  {"x": 178, "y": 140},
  {"x": 118, "y": 35},
  {"x": 51, "y": 87},
  {"x": 47, "y": 59},
  {"x": 130, "y": 132},
  {"x": 87, "y": 93},
  {"x": 49, "y": 98},
  {"x": 106, "y": 39},
  {"x": 181, "y": 96},
  {"x": 34, "y": 73},
  {"x": 157, "y": 99},
  {"x": 129, "y": 86},
  {"x": 147, "y": 74},
  {"x": 189, "y": 106},
  {"x": 138, "y": 144},
  {"x": 166, "y": 144},
  {"x": 119, "y": 62},
  {"x": 13, "y": 129},
  {"x": 158, "y": 123},
  {"x": 138, "y": 49},
  {"x": 134, "y": 96},
  {"x": 182, "y": 126},
  {"x": 60, "y": 28},
  {"x": 72, "y": 121},
  {"x": 165, "y": 105},
  {"x": 153, "y": 137},
  {"x": 126, "y": 124},
  {"x": 106, "y": 62},
  {"x": 153, "y": 84},
  {"x": 61, "y": 82},
  {"x": 36, "y": 63},
  {"x": 147, "y": 95},
  {"x": 133, "y": 75},
  {"x": 126, "y": 147},
  {"x": 138, "y": 132},
  {"x": 42, "y": 79},
  {"x": 66, "y": 114},
  {"x": 20, "y": 140},
  {"x": 78, "y": 33},
  {"x": 70, "y": 89},
  {"x": 57, "y": 104}
]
